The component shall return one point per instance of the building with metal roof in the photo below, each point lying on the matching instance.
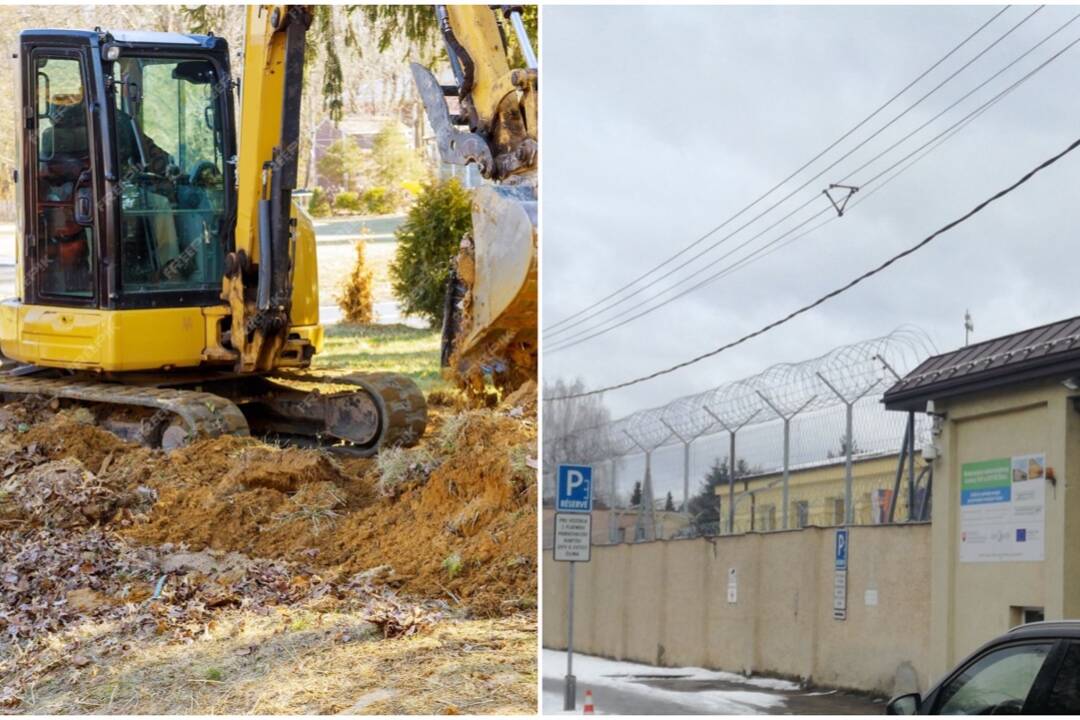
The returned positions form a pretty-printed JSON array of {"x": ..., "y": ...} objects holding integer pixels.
[
  {"x": 1005, "y": 450},
  {"x": 1047, "y": 351}
]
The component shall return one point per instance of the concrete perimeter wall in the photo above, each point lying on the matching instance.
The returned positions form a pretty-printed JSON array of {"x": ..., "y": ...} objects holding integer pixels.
[{"x": 665, "y": 603}]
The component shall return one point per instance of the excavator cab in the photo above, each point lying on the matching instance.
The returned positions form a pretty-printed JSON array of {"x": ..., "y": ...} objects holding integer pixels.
[
  {"x": 165, "y": 279},
  {"x": 129, "y": 149}
]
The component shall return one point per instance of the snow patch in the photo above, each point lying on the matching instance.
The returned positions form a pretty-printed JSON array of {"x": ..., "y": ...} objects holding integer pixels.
[{"x": 626, "y": 677}]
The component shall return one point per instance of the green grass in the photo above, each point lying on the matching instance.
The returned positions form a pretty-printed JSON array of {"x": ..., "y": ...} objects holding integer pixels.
[
  {"x": 452, "y": 565},
  {"x": 384, "y": 348}
]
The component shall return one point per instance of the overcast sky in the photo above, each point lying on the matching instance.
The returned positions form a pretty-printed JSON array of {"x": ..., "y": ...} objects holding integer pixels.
[{"x": 661, "y": 122}]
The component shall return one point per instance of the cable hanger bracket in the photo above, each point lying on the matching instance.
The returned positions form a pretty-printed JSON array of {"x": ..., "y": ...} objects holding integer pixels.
[{"x": 851, "y": 190}]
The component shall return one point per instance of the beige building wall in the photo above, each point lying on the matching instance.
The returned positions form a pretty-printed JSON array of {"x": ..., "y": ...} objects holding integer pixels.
[
  {"x": 975, "y": 601},
  {"x": 665, "y": 603}
]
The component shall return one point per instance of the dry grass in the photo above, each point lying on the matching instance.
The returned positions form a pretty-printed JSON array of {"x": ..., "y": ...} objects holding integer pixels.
[{"x": 303, "y": 662}]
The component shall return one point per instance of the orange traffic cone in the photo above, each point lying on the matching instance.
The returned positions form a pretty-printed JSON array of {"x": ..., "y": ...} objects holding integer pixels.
[{"x": 588, "y": 710}]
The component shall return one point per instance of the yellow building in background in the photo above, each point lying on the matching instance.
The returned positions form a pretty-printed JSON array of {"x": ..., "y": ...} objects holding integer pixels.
[{"x": 816, "y": 495}]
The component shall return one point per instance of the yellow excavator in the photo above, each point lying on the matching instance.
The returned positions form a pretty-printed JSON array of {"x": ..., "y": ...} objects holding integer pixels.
[
  {"x": 165, "y": 279},
  {"x": 490, "y": 315}
]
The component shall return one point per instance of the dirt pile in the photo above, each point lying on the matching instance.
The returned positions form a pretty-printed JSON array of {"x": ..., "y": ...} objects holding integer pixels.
[
  {"x": 106, "y": 545},
  {"x": 73, "y": 434},
  {"x": 523, "y": 401},
  {"x": 452, "y": 519},
  {"x": 467, "y": 530}
]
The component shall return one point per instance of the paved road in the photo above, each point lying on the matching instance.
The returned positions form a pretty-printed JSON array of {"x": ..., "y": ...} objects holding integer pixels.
[
  {"x": 345, "y": 229},
  {"x": 633, "y": 701}
]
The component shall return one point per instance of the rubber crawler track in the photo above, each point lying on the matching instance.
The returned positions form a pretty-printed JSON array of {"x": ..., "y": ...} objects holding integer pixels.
[
  {"x": 401, "y": 403},
  {"x": 204, "y": 414}
]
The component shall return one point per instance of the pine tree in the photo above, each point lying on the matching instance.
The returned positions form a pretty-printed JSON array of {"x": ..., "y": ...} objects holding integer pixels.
[
  {"x": 669, "y": 504},
  {"x": 635, "y": 497},
  {"x": 356, "y": 299},
  {"x": 704, "y": 506}
]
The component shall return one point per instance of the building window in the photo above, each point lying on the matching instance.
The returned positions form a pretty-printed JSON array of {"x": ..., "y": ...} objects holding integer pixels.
[
  {"x": 1025, "y": 615},
  {"x": 836, "y": 505},
  {"x": 802, "y": 513},
  {"x": 767, "y": 518}
]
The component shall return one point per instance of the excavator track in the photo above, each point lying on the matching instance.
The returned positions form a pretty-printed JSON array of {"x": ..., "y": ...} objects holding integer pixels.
[
  {"x": 203, "y": 414},
  {"x": 385, "y": 410},
  {"x": 401, "y": 405}
]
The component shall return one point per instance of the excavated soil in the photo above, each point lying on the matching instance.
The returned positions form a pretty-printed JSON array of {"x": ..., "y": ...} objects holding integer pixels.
[{"x": 453, "y": 519}]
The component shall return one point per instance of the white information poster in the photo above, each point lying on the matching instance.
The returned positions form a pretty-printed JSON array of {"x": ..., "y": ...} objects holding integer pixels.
[
  {"x": 732, "y": 586},
  {"x": 1003, "y": 509}
]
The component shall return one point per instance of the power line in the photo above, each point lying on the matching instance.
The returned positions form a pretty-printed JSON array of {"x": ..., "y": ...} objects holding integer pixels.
[
  {"x": 772, "y": 247},
  {"x": 766, "y": 250},
  {"x": 805, "y": 184},
  {"x": 840, "y": 290},
  {"x": 596, "y": 330},
  {"x": 974, "y": 90},
  {"x": 805, "y": 165}
]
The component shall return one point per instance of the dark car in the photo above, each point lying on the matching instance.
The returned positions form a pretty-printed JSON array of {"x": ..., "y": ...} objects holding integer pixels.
[{"x": 1032, "y": 669}]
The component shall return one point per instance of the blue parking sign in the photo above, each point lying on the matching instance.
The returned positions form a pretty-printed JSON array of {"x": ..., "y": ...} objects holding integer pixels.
[
  {"x": 841, "y": 548},
  {"x": 574, "y": 489}
]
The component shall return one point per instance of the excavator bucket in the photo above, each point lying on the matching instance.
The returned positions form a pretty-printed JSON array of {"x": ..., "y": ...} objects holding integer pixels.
[
  {"x": 490, "y": 313},
  {"x": 490, "y": 327}
]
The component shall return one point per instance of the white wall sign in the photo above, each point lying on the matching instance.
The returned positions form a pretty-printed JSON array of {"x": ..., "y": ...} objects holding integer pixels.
[
  {"x": 573, "y": 537},
  {"x": 1003, "y": 509},
  {"x": 732, "y": 586}
]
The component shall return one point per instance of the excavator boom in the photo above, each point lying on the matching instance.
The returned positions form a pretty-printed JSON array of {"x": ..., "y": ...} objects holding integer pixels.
[{"x": 490, "y": 326}]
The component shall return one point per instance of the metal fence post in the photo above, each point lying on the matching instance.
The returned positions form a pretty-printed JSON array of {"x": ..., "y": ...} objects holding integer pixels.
[
  {"x": 687, "y": 442},
  {"x": 849, "y": 442},
  {"x": 732, "y": 462},
  {"x": 613, "y": 516},
  {"x": 787, "y": 448},
  {"x": 911, "y": 464},
  {"x": 649, "y": 517}
]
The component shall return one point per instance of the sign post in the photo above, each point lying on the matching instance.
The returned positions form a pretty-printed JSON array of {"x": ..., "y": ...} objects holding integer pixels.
[
  {"x": 840, "y": 575},
  {"x": 573, "y": 544}
]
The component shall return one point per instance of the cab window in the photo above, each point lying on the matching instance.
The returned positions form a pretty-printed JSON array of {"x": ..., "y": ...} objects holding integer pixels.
[
  {"x": 171, "y": 156},
  {"x": 64, "y": 259}
]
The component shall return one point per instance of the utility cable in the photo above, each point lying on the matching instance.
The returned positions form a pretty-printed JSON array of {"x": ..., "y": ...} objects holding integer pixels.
[
  {"x": 836, "y": 142},
  {"x": 806, "y": 184},
  {"x": 840, "y": 290},
  {"x": 599, "y": 329}
]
